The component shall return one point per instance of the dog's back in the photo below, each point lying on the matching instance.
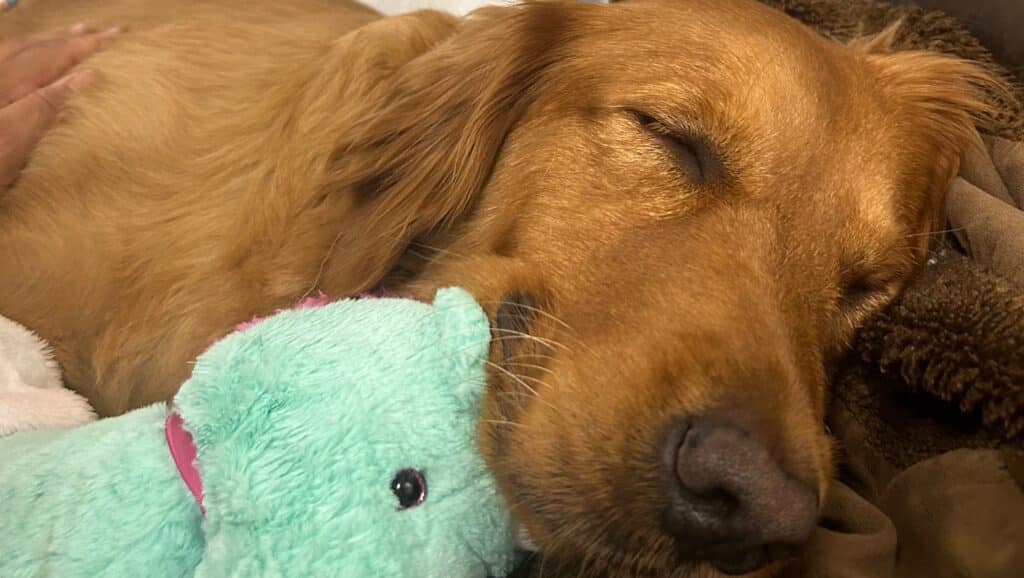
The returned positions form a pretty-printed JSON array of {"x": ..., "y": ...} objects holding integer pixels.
[{"x": 176, "y": 197}]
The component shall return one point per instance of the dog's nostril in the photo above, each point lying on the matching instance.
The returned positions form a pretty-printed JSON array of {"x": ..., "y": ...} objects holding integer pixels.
[{"x": 731, "y": 503}]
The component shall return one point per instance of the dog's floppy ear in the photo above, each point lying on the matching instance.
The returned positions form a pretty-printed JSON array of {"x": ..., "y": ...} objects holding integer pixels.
[
  {"x": 941, "y": 98},
  {"x": 427, "y": 140}
]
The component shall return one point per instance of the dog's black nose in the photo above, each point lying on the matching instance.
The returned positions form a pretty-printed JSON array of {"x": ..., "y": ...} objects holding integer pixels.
[{"x": 732, "y": 504}]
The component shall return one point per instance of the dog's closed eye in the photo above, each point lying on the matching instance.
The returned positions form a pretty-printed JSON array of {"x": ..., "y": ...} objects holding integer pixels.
[
  {"x": 862, "y": 290},
  {"x": 692, "y": 153}
]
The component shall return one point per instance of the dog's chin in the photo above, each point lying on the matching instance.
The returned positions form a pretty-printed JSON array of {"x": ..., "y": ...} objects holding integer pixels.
[{"x": 658, "y": 563}]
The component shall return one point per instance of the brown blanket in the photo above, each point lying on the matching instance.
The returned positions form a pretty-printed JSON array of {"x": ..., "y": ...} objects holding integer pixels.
[
  {"x": 996, "y": 23},
  {"x": 984, "y": 206},
  {"x": 957, "y": 515}
]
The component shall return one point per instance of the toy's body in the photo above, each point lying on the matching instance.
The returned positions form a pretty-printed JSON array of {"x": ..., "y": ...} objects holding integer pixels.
[
  {"x": 301, "y": 424},
  {"x": 101, "y": 500}
]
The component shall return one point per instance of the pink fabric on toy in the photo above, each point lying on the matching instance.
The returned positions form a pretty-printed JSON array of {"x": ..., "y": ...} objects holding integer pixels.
[
  {"x": 320, "y": 300},
  {"x": 183, "y": 451}
]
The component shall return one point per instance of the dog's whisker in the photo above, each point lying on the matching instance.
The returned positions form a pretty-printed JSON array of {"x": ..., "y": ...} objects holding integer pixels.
[
  {"x": 534, "y": 309},
  {"x": 519, "y": 380},
  {"x": 535, "y": 381},
  {"x": 525, "y": 338},
  {"x": 547, "y": 342},
  {"x": 503, "y": 422},
  {"x": 551, "y": 343},
  {"x": 569, "y": 330},
  {"x": 538, "y": 357},
  {"x": 936, "y": 233},
  {"x": 516, "y": 396},
  {"x": 531, "y": 366},
  {"x": 515, "y": 377},
  {"x": 531, "y": 355}
]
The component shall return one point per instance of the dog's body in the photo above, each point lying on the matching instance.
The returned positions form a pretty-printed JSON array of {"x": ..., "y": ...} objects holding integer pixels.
[
  {"x": 675, "y": 213},
  {"x": 183, "y": 64}
]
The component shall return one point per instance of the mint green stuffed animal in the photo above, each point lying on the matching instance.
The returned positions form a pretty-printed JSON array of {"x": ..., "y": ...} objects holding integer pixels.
[{"x": 332, "y": 441}]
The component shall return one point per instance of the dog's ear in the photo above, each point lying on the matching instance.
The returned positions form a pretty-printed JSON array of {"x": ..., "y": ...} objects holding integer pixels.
[
  {"x": 427, "y": 140},
  {"x": 942, "y": 99},
  {"x": 945, "y": 100}
]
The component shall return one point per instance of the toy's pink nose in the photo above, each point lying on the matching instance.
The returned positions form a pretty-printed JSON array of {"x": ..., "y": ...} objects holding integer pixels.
[{"x": 732, "y": 502}]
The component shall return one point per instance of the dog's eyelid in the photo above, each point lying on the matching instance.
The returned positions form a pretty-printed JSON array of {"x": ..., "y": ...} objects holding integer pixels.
[
  {"x": 691, "y": 149},
  {"x": 874, "y": 272},
  {"x": 863, "y": 280},
  {"x": 861, "y": 286}
]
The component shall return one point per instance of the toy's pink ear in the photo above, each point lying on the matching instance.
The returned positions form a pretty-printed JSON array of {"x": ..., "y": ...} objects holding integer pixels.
[{"x": 248, "y": 324}]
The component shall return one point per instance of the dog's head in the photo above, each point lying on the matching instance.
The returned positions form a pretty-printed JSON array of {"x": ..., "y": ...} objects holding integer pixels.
[{"x": 676, "y": 212}]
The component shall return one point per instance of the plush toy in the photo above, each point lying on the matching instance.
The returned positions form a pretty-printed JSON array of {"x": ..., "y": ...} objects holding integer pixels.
[
  {"x": 331, "y": 441},
  {"x": 32, "y": 395}
]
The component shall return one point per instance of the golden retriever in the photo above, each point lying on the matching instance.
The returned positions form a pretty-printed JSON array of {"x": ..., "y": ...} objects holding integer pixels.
[{"x": 675, "y": 212}]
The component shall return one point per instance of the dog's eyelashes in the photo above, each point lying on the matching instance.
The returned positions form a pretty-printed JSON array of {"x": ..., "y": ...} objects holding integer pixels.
[
  {"x": 691, "y": 152},
  {"x": 864, "y": 290},
  {"x": 856, "y": 292},
  {"x": 682, "y": 151}
]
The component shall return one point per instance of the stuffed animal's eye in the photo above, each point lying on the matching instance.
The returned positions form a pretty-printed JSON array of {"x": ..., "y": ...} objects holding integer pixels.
[{"x": 410, "y": 487}]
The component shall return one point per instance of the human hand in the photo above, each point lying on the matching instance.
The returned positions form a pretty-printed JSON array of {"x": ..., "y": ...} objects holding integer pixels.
[{"x": 34, "y": 84}]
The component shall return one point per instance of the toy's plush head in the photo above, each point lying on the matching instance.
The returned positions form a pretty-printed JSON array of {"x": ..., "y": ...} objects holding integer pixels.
[{"x": 340, "y": 441}]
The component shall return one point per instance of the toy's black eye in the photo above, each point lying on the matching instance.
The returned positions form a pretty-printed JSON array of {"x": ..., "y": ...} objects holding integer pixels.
[{"x": 410, "y": 487}]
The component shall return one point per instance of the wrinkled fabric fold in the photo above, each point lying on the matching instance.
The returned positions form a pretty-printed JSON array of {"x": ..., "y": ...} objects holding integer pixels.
[{"x": 985, "y": 207}]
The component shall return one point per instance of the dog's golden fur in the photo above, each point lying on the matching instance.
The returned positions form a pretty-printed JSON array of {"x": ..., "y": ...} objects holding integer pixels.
[{"x": 234, "y": 157}]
